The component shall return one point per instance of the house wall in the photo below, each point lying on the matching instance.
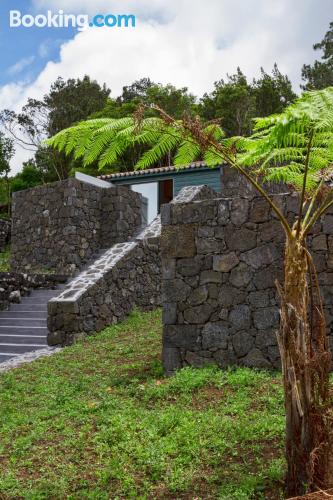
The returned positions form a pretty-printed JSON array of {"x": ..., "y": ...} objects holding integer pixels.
[
  {"x": 60, "y": 226},
  {"x": 181, "y": 178},
  {"x": 220, "y": 260},
  {"x": 210, "y": 178}
]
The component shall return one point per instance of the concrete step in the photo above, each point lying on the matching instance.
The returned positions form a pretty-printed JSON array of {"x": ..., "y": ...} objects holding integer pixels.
[
  {"x": 35, "y": 300},
  {"x": 23, "y": 330},
  {"x": 23, "y": 327},
  {"x": 17, "y": 349},
  {"x": 17, "y": 340},
  {"x": 29, "y": 307},
  {"x": 30, "y": 322},
  {"x": 23, "y": 314}
]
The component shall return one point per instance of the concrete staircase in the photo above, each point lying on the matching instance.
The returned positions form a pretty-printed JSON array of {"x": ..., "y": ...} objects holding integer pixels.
[{"x": 23, "y": 327}]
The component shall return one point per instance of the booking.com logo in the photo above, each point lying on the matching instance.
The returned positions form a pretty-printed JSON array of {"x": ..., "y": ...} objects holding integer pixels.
[{"x": 62, "y": 20}]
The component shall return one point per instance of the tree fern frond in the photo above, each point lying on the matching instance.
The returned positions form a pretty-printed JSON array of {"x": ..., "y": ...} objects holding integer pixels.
[
  {"x": 186, "y": 153},
  {"x": 166, "y": 144}
]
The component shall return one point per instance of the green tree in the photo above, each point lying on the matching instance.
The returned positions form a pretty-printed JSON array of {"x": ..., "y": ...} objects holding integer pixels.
[
  {"x": 174, "y": 101},
  {"x": 236, "y": 102},
  {"x": 6, "y": 153},
  {"x": 232, "y": 101},
  {"x": 272, "y": 93},
  {"x": 320, "y": 74},
  {"x": 296, "y": 147},
  {"x": 29, "y": 177},
  {"x": 66, "y": 103}
]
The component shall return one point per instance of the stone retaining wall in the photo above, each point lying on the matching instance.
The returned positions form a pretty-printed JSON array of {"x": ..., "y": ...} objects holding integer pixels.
[
  {"x": 220, "y": 258},
  {"x": 15, "y": 285},
  {"x": 60, "y": 226},
  {"x": 126, "y": 276}
]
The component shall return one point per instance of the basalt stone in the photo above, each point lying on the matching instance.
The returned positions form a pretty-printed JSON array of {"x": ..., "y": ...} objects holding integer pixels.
[
  {"x": 271, "y": 231},
  {"x": 168, "y": 269},
  {"x": 189, "y": 267},
  {"x": 194, "y": 359},
  {"x": 319, "y": 260},
  {"x": 210, "y": 277},
  {"x": 265, "y": 278},
  {"x": 292, "y": 204},
  {"x": 265, "y": 338},
  {"x": 266, "y": 317},
  {"x": 187, "y": 336},
  {"x": 242, "y": 343},
  {"x": 239, "y": 211},
  {"x": 229, "y": 295},
  {"x": 215, "y": 335},
  {"x": 213, "y": 291},
  {"x": 273, "y": 353},
  {"x": 169, "y": 315},
  {"x": 225, "y": 358},
  {"x": 206, "y": 232},
  {"x": 209, "y": 245},
  {"x": 255, "y": 359},
  {"x": 15, "y": 296},
  {"x": 198, "y": 314},
  {"x": 261, "y": 256},
  {"x": 198, "y": 296},
  {"x": 259, "y": 211},
  {"x": 178, "y": 241},
  {"x": 241, "y": 275},
  {"x": 171, "y": 360},
  {"x": 240, "y": 317},
  {"x": 319, "y": 242},
  {"x": 223, "y": 211},
  {"x": 175, "y": 290},
  {"x": 240, "y": 240},
  {"x": 225, "y": 263},
  {"x": 259, "y": 299}
]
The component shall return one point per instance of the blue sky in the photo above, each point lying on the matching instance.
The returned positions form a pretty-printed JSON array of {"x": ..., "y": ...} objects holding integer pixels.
[
  {"x": 24, "y": 52},
  {"x": 189, "y": 43}
]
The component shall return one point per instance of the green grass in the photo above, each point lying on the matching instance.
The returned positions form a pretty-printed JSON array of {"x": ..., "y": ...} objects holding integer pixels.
[
  {"x": 5, "y": 260},
  {"x": 98, "y": 420}
]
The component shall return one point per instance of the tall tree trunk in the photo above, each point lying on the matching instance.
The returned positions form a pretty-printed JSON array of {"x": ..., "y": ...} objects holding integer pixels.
[{"x": 305, "y": 365}]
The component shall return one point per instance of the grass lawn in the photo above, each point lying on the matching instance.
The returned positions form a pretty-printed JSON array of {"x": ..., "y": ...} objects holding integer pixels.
[
  {"x": 5, "y": 260},
  {"x": 98, "y": 420}
]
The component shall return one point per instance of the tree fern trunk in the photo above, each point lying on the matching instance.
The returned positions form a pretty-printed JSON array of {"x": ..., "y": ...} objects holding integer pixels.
[{"x": 305, "y": 364}]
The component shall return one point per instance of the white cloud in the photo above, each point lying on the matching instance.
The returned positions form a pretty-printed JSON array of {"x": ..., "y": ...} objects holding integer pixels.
[
  {"x": 185, "y": 42},
  {"x": 20, "y": 65}
]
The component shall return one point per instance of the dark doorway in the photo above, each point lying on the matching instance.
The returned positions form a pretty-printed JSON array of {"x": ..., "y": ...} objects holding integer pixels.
[{"x": 165, "y": 192}]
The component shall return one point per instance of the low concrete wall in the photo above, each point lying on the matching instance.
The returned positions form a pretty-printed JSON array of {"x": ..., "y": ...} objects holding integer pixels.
[
  {"x": 60, "y": 226},
  {"x": 220, "y": 258}
]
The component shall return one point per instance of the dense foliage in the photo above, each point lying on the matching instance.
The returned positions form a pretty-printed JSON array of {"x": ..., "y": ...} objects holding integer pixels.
[{"x": 320, "y": 74}]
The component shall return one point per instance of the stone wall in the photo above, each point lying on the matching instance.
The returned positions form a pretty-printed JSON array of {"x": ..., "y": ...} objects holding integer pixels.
[
  {"x": 5, "y": 231},
  {"x": 235, "y": 185},
  {"x": 126, "y": 276},
  {"x": 13, "y": 286},
  {"x": 220, "y": 258},
  {"x": 60, "y": 226}
]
